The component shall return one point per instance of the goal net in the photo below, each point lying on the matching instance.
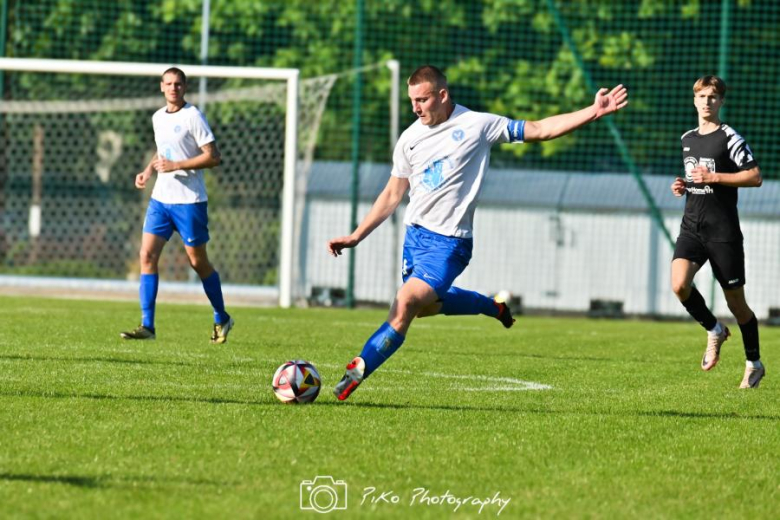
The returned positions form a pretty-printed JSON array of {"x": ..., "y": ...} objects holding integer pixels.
[{"x": 75, "y": 134}]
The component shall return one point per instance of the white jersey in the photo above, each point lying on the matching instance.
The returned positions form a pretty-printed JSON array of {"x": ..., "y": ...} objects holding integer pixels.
[
  {"x": 179, "y": 136},
  {"x": 446, "y": 164}
]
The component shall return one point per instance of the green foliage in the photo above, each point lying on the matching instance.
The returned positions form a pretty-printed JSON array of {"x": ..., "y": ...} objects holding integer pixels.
[{"x": 501, "y": 55}]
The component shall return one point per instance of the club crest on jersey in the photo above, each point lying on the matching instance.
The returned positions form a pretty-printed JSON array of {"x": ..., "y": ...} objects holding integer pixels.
[
  {"x": 458, "y": 135},
  {"x": 690, "y": 163},
  {"x": 177, "y": 129},
  {"x": 434, "y": 175}
]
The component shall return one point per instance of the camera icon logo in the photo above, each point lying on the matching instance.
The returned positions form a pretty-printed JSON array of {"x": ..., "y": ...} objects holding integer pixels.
[{"x": 323, "y": 494}]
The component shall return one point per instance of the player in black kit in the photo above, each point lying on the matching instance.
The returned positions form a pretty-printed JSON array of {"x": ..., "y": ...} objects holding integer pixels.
[{"x": 717, "y": 161}]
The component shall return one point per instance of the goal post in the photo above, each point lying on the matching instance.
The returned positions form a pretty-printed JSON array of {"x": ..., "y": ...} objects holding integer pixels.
[{"x": 291, "y": 148}]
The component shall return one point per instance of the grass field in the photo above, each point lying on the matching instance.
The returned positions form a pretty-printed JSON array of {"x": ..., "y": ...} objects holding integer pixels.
[{"x": 94, "y": 427}]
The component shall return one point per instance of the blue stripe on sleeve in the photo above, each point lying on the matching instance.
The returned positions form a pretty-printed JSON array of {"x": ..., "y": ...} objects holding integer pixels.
[{"x": 516, "y": 130}]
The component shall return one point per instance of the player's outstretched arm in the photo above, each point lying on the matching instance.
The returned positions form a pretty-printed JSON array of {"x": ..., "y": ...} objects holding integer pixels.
[
  {"x": 208, "y": 158},
  {"x": 384, "y": 206},
  {"x": 606, "y": 102}
]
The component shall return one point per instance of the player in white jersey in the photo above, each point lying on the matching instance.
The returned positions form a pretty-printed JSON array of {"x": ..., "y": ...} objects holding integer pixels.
[
  {"x": 185, "y": 145},
  {"x": 442, "y": 159}
]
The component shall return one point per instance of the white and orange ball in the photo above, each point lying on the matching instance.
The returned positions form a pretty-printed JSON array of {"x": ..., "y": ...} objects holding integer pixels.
[{"x": 297, "y": 382}]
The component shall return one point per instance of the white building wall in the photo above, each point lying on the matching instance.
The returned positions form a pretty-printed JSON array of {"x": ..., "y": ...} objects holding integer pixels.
[{"x": 556, "y": 260}]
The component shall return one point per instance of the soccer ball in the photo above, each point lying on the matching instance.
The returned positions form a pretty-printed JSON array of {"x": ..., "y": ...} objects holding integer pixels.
[{"x": 296, "y": 382}]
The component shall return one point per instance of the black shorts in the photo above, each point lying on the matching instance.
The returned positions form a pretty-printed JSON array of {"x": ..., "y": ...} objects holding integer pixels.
[{"x": 726, "y": 258}]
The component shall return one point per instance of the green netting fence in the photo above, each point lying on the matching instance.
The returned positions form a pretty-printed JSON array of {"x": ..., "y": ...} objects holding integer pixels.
[{"x": 572, "y": 220}]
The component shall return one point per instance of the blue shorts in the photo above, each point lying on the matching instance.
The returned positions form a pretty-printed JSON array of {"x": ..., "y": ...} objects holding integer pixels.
[
  {"x": 191, "y": 221},
  {"x": 433, "y": 258}
]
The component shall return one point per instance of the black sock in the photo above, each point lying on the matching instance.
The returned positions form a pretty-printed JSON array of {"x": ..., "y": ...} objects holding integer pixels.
[
  {"x": 750, "y": 339},
  {"x": 698, "y": 309}
]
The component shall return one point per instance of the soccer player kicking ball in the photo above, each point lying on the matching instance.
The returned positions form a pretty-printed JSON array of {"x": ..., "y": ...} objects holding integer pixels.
[
  {"x": 442, "y": 159},
  {"x": 185, "y": 145},
  {"x": 717, "y": 161}
]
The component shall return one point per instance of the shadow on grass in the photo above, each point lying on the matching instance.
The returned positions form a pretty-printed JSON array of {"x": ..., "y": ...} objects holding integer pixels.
[
  {"x": 397, "y": 406},
  {"x": 87, "y": 482},
  {"x": 536, "y": 411},
  {"x": 161, "y": 398},
  {"x": 109, "y": 481},
  {"x": 12, "y": 357},
  {"x": 704, "y": 415}
]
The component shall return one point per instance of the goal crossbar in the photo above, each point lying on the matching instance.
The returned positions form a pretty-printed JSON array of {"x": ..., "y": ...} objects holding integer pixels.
[{"x": 126, "y": 68}]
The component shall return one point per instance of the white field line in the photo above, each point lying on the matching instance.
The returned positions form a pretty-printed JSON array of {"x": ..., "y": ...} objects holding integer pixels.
[{"x": 491, "y": 384}]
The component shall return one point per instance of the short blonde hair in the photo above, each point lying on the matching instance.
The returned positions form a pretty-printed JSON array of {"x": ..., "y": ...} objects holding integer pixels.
[
  {"x": 428, "y": 74},
  {"x": 710, "y": 81}
]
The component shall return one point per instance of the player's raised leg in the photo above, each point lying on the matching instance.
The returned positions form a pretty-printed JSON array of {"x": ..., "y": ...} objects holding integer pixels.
[
  {"x": 192, "y": 222},
  {"x": 212, "y": 286},
  {"x": 151, "y": 249},
  {"x": 413, "y": 296},
  {"x": 223, "y": 322},
  {"x": 683, "y": 271},
  {"x": 461, "y": 302},
  {"x": 439, "y": 260}
]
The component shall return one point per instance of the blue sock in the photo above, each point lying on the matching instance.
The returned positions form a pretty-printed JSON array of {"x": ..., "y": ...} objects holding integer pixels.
[
  {"x": 213, "y": 288},
  {"x": 380, "y": 347},
  {"x": 460, "y": 302},
  {"x": 148, "y": 296}
]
